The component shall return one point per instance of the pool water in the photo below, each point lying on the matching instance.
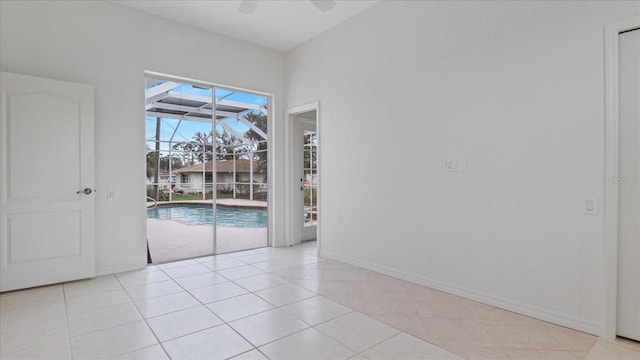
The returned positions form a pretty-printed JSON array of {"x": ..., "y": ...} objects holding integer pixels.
[{"x": 203, "y": 215}]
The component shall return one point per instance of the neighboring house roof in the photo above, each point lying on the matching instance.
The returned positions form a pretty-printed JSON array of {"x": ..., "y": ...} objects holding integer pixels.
[{"x": 242, "y": 165}]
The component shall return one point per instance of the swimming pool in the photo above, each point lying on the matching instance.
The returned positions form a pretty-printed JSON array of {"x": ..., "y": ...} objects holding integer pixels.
[{"x": 203, "y": 215}]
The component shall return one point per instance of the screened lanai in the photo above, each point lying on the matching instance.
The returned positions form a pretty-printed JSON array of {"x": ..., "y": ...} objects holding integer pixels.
[
  {"x": 204, "y": 143},
  {"x": 185, "y": 149}
]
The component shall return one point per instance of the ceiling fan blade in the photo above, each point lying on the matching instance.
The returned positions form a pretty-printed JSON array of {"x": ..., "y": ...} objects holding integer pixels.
[
  {"x": 324, "y": 5},
  {"x": 248, "y": 6}
]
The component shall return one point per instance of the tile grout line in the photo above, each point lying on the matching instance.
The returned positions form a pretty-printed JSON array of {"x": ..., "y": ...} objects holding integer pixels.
[
  {"x": 66, "y": 317},
  {"x": 145, "y": 322},
  {"x": 287, "y": 281},
  {"x": 254, "y": 347}
]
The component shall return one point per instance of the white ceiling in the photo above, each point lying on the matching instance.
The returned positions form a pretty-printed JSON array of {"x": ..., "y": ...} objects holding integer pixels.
[{"x": 275, "y": 24}]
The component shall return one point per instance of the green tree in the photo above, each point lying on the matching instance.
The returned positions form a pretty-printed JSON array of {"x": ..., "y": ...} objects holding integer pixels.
[
  {"x": 198, "y": 150},
  {"x": 259, "y": 143},
  {"x": 160, "y": 161},
  {"x": 226, "y": 145}
]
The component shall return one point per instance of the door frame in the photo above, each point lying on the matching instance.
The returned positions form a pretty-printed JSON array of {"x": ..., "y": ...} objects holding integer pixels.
[
  {"x": 293, "y": 220},
  {"x": 612, "y": 146}
]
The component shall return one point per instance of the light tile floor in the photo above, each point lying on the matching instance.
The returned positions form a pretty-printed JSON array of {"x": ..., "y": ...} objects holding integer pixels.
[{"x": 271, "y": 303}]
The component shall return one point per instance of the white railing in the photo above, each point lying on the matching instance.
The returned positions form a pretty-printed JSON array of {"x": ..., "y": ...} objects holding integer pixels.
[{"x": 155, "y": 203}]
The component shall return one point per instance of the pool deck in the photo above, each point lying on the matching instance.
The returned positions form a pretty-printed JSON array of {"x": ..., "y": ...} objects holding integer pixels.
[
  {"x": 171, "y": 240},
  {"x": 224, "y": 202}
]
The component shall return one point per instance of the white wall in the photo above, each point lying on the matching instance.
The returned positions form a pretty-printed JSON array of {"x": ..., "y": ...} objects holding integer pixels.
[
  {"x": 110, "y": 46},
  {"x": 517, "y": 90}
]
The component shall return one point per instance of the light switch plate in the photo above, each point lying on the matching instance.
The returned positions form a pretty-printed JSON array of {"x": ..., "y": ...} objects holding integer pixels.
[{"x": 590, "y": 206}]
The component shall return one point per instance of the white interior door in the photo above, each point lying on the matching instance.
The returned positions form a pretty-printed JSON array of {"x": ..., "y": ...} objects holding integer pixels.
[
  {"x": 296, "y": 219},
  {"x": 46, "y": 182},
  {"x": 304, "y": 218},
  {"x": 628, "y": 313}
]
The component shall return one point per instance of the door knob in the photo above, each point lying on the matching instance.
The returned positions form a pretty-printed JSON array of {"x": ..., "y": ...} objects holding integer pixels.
[{"x": 86, "y": 191}]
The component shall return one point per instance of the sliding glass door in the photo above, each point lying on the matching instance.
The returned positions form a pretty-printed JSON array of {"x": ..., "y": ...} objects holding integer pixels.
[
  {"x": 242, "y": 188},
  {"x": 206, "y": 170}
]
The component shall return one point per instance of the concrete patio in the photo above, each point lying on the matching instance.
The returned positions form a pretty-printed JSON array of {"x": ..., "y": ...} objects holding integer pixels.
[{"x": 171, "y": 240}]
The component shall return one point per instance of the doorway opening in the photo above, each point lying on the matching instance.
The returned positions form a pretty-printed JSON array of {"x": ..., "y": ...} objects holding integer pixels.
[
  {"x": 628, "y": 182},
  {"x": 622, "y": 217},
  {"x": 309, "y": 175},
  {"x": 206, "y": 168},
  {"x": 303, "y": 175}
]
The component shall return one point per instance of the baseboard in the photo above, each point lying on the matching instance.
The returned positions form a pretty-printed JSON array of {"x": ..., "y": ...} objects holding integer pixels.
[{"x": 503, "y": 303}]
